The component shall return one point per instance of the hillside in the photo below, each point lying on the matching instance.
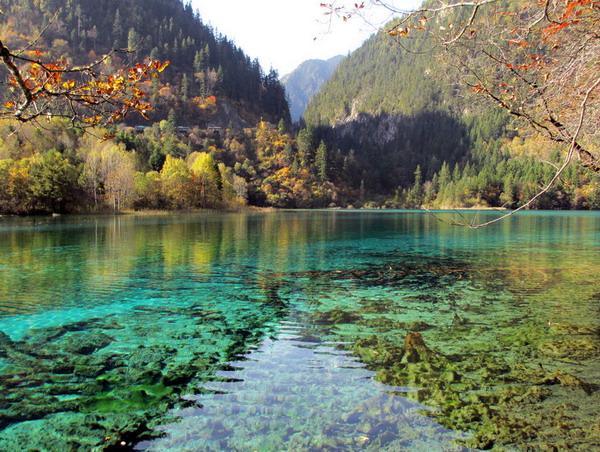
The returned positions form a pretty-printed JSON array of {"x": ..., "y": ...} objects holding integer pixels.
[
  {"x": 305, "y": 81},
  {"x": 202, "y": 63},
  {"x": 389, "y": 107},
  {"x": 420, "y": 137}
]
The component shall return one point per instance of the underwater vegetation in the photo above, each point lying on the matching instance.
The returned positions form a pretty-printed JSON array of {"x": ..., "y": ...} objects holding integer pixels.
[
  {"x": 93, "y": 384},
  {"x": 509, "y": 378}
]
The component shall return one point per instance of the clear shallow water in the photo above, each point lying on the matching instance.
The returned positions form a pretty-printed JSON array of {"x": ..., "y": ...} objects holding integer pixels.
[
  {"x": 295, "y": 394},
  {"x": 286, "y": 331}
]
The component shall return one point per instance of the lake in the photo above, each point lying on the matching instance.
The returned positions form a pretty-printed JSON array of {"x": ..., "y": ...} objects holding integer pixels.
[{"x": 300, "y": 331}]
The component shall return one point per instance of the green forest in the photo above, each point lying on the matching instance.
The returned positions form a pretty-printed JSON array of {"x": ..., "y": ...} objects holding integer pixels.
[{"x": 386, "y": 131}]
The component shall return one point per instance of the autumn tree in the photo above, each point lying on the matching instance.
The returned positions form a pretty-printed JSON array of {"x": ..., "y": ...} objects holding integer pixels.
[
  {"x": 119, "y": 177},
  {"x": 108, "y": 172},
  {"x": 207, "y": 178},
  {"x": 15, "y": 181},
  {"x": 177, "y": 183}
]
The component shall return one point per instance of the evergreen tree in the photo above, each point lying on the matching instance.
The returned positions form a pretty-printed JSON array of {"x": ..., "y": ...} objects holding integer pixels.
[
  {"x": 133, "y": 43},
  {"x": 415, "y": 196},
  {"x": 185, "y": 88},
  {"x": 321, "y": 162},
  {"x": 117, "y": 31},
  {"x": 306, "y": 146},
  {"x": 288, "y": 154}
]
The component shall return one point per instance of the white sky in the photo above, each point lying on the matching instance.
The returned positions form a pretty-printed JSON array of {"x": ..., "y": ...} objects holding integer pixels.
[{"x": 281, "y": 33}]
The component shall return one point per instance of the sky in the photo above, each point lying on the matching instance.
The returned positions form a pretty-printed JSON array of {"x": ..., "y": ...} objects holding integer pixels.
[{"x": 284, "y": 33}]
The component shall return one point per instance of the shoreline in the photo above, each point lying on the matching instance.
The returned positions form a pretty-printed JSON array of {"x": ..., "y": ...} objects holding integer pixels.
[{"x": 257, "y": 209}]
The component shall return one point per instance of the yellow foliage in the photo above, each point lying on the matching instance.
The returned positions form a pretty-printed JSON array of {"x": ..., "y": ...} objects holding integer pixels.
[
  {"x": 534, "y": 146},
  {"x": 202, "y": 164}
]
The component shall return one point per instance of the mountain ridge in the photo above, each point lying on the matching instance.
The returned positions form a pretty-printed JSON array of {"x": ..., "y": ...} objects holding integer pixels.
[{"x": 415, "y": 134}]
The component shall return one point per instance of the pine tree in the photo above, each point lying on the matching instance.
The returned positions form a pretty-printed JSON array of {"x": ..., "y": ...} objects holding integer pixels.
[
  {"x": 416, "y": 194},
  {"x": 321, "y": 162},
  {"x": 305, "y": 142},
  {"x": 117, "y": 31},
  {"x": 185, "y": 87}
]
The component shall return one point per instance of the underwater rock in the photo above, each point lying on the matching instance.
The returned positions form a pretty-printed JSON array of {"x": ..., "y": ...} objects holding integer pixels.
[
  {"x": 452, "y": 376},
  {"x": 5, "y": 340},
  {"x": 150, "y": 356},
  {"x": 423, "y": 298},
  {"x": 573, "y": 330},
  {"x": 70, "y": 431},
  {"x": 376, "y": 306},
  {"x": 42, "y": 335},
  {"x": 418, "y": 326},
  {"x": 85, "y": 343},
  {"x": 415, "y": 349},
  {"x": 567, "y": 379},
  {"x": 458, "y": 321},
  {"x": 577, "y": 349},
  {"x": 25, "y": 406},
  {"x": 376, "y": 351},
  {"x": 383, "y": 324},
  {"x": 381, "y": 306},
  {"x": 306, "y": 336},
  {"x": 386, "y": 324},
  {"x": 334, "y": 317},
  {"x": 6, "y": 344},
  {"x": 494, "y": 364}
]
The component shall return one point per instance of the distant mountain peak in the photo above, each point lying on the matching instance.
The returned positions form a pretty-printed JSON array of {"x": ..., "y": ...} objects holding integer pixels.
[{"x": 306, "y": 80}]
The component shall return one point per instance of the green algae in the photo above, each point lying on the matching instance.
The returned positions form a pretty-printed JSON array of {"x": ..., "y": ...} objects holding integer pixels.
[
  {"x": 577, "y": 349},
  {"x": 333, "y": 317},
  {"x": 132, "y": 398},
  {"x": 502, "y": 382},
  {"x": 482, "y": 396}
]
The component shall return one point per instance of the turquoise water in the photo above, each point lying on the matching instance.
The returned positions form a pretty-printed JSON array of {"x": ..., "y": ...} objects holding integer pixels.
[{"x": 288, "y": 331}]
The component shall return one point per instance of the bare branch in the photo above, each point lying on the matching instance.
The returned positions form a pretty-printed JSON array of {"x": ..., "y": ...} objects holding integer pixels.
[
  {"x": 40, "y": 34},
  {"x": 568, "y": 159}
]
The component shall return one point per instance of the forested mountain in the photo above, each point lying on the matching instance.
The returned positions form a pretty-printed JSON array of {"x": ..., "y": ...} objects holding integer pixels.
[
  {"x": 418, "y": 137},
  {"x": 305, "y": 81},
  {"x": 391, "y": 128},
  {"x": 203, "y": 64}
]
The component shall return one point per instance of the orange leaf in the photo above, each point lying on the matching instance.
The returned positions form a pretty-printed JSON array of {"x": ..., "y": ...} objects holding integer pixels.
[
  {"x": 163, "y": 66},
  {"x": 399, "y": 31}
]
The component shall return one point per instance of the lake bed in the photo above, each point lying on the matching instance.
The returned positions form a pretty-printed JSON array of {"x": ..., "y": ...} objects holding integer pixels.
[{"x": 300, "y": 330}]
